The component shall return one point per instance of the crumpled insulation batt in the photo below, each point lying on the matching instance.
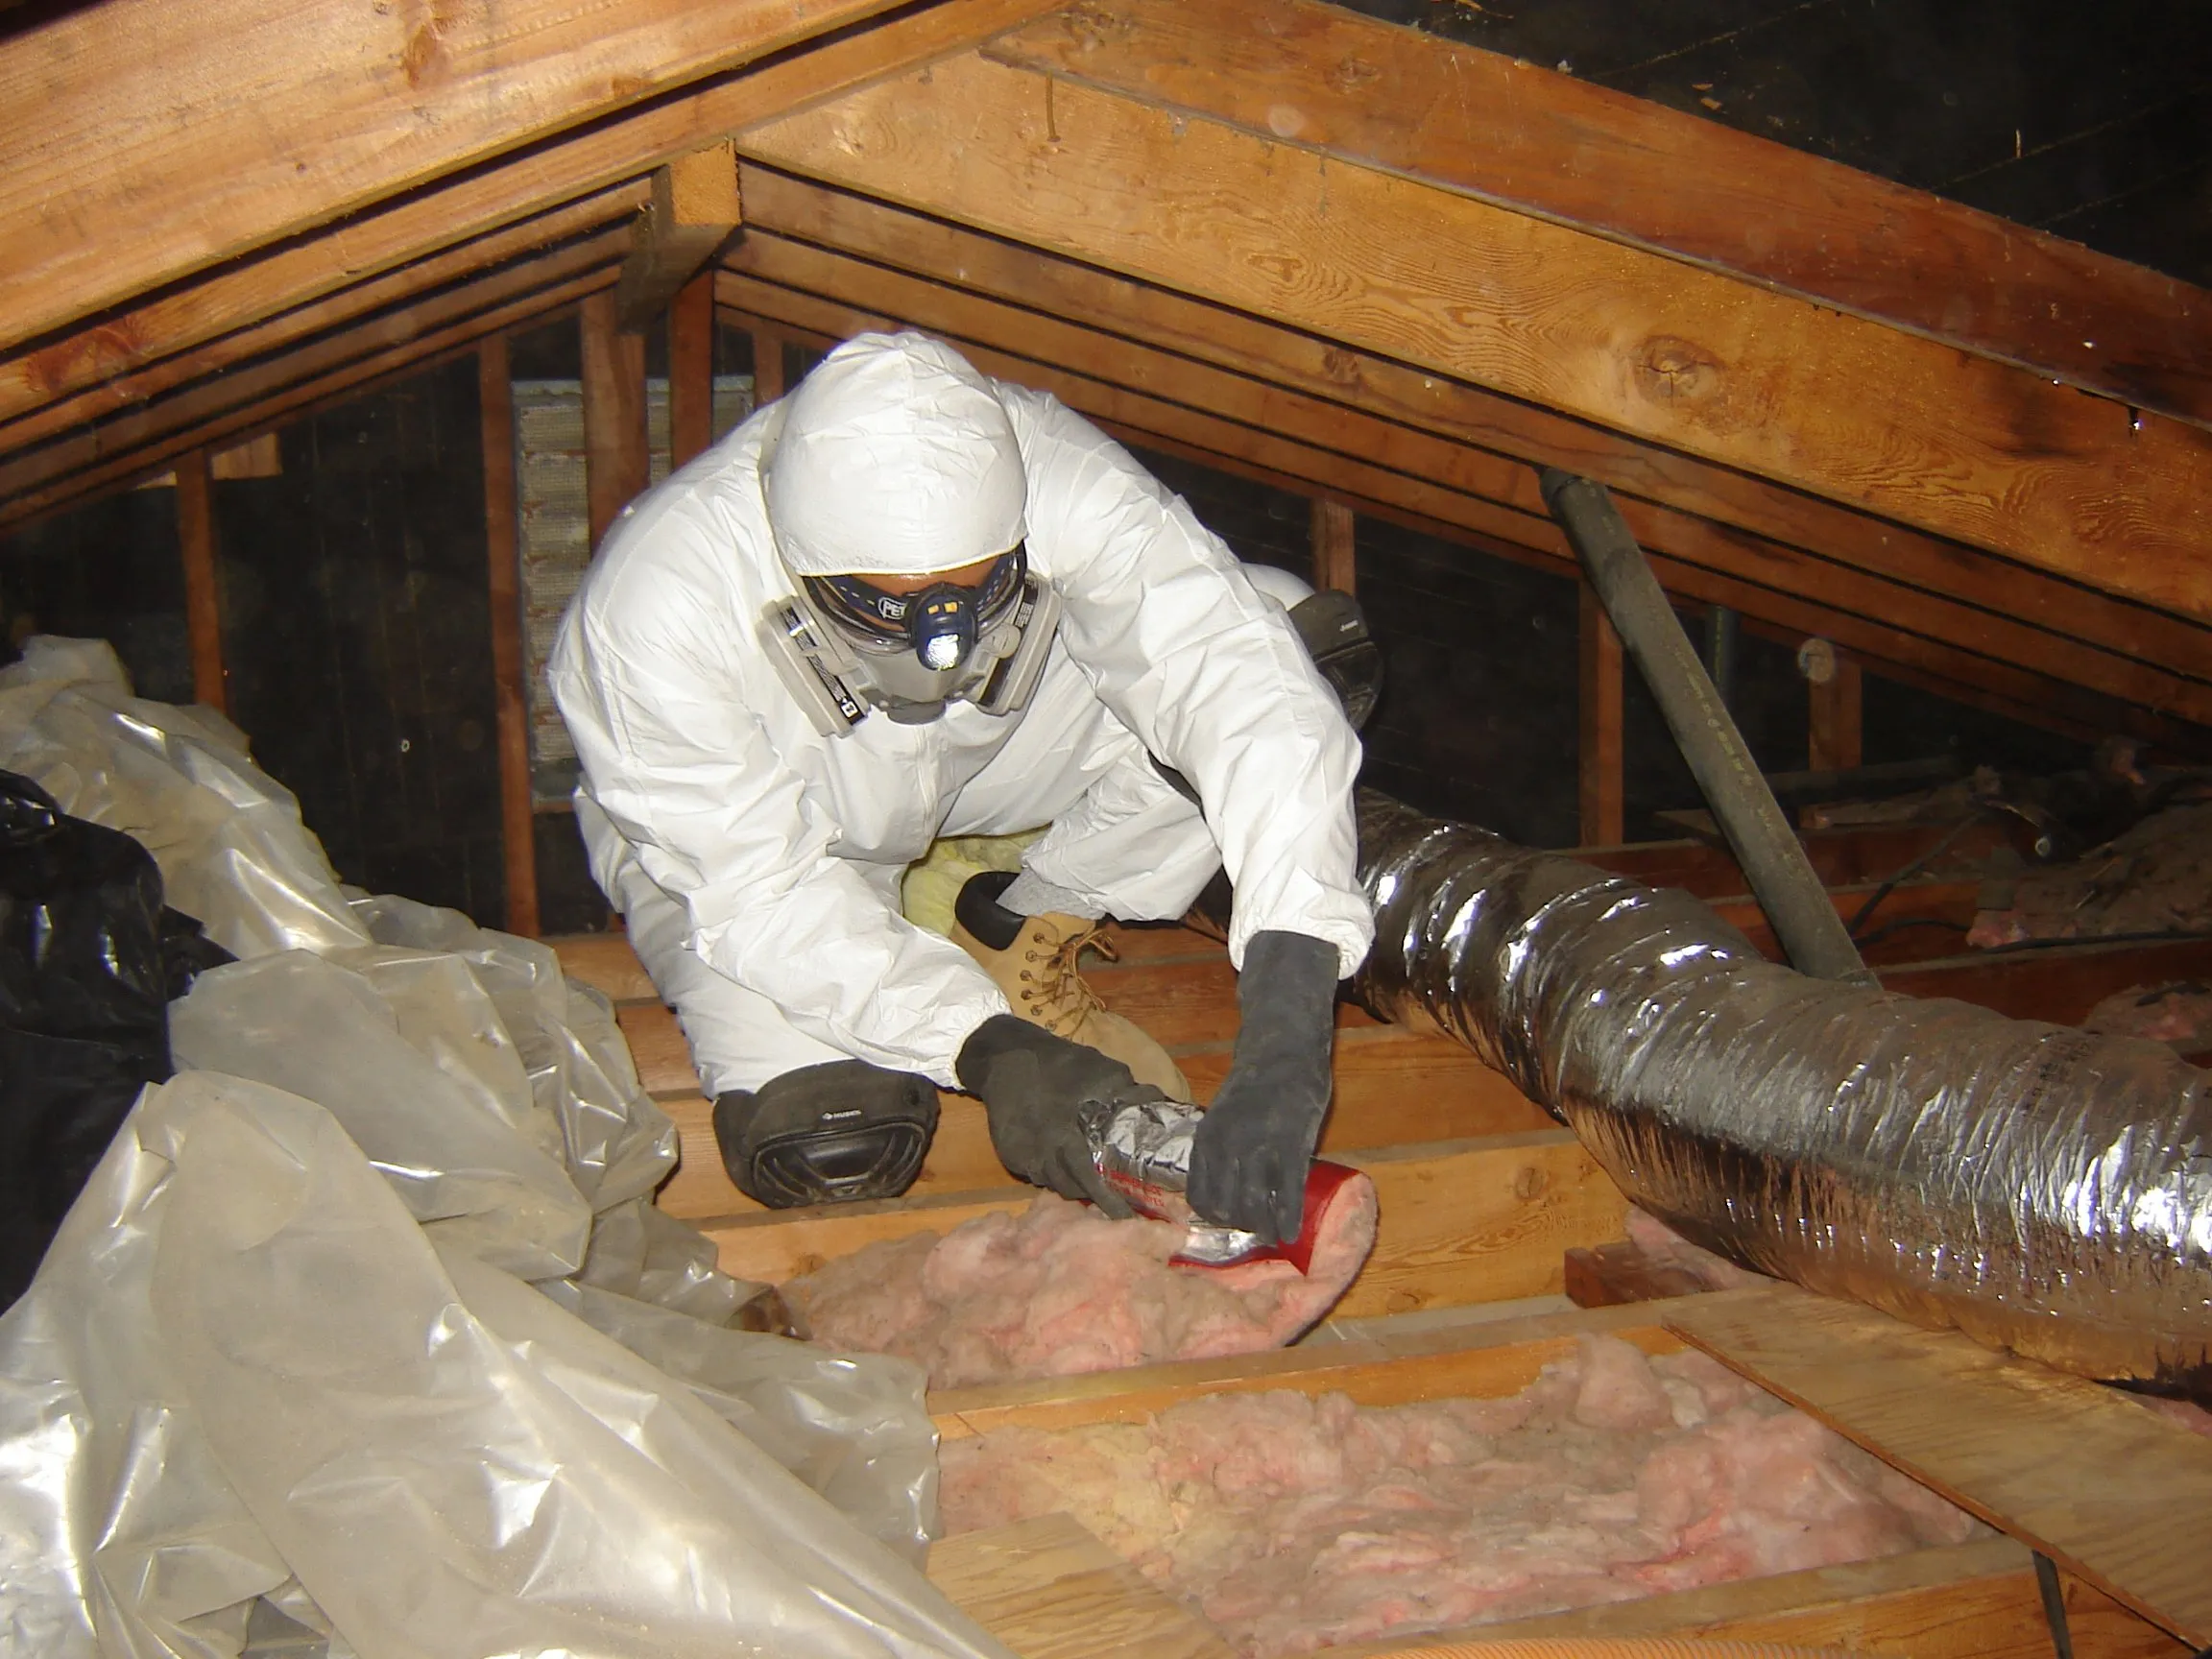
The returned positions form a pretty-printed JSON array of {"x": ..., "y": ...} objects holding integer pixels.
[
  {"x": 2038, "y": 1187},
  {"x": 1296, "y": 1522}
]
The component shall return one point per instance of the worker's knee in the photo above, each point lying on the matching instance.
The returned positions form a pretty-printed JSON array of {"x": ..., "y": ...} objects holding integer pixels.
[{"x": 826, "y": 1134}]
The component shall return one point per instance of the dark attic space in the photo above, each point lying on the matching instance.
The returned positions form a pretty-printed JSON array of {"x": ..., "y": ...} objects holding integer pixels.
[{"x": 1106, "y": 829}]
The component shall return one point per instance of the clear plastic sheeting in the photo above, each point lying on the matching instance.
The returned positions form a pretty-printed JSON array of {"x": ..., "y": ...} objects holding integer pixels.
[
  {"x": 233, "y": 850},
  {"x": 619, "y": 1146},
  {"x": 244, "y": 1373},
  {"x": 2040, "y": 1188},
  {"x": 464, "y": 1161},
  {"x": 367, "y": 1324}
]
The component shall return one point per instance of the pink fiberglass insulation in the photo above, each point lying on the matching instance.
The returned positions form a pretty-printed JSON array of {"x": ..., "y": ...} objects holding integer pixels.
[
  {"x": 2177, "y": 1014},
  {"x": 1059, "y": 1288},
  {"x": 1294, "y": 1523},
  {"x": 1662, "y": 1246}
]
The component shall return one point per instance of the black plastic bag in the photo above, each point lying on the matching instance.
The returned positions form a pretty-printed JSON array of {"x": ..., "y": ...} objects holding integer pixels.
[{"x": 84, "y": 1007}]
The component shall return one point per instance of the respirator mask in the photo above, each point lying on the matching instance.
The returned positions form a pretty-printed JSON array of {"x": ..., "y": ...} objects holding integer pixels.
[{"x": 844, "y": 646}]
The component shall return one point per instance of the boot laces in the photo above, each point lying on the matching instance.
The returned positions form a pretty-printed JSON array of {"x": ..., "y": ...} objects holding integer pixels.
[{"x": 1060, "y": 992}]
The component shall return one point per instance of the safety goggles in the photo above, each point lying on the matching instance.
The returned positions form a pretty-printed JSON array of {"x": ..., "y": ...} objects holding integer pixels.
[{"x": 940, "y": 624}]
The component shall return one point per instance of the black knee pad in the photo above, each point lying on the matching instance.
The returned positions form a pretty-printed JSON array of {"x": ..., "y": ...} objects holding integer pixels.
[{"x": 826, "y": 1134}]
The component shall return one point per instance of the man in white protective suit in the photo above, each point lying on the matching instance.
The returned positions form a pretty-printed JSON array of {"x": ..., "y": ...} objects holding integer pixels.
[{"x": 907, "y": 601}]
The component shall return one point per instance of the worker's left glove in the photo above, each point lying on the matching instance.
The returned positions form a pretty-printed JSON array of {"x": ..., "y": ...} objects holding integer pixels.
[
  {"x": 1250, "y": 1155},
  {"x": 1036, "y": 1088}
]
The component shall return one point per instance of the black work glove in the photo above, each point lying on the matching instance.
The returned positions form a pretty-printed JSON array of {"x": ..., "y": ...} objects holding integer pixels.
[
  {"x": 1033, "y": 1086},
  {"x": 1250, "y": 1155}
]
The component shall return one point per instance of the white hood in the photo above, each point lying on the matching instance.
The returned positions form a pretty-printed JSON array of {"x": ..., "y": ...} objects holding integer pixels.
[{"x": 896, "y": 459}]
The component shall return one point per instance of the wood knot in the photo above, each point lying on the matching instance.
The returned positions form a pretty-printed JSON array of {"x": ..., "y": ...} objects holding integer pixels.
[
  {"x": 1350, "y": 74},
  {"x": 1091, "y": 26},
  {"x": 1529, "y": 1182},
  {"x": 423, "y": 58},
  {"x": 1340, "y": 366},
  {"x": 1675, "y": 371}
]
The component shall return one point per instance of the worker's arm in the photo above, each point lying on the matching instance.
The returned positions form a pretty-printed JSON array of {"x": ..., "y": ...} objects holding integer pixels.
[
  {"x": 1211, "y": 677},
  {"x": 1208, "y": 673},
  {"x": 647, "y": 679}
]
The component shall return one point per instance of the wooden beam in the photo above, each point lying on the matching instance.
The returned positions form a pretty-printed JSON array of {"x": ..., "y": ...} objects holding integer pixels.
[
  {"x": 767, "y": 365},
  {"x": 503, "y": 549},
  {"x": 1509, "y": 131},
  {"x": 1394, "y": 464},
  {"x": 1835, "y": 741},
  {"x": 173, "y": 134},
  {"x": 1975, "y": 1601},
  {"x": 605, "y": 154},
  {"x": 691, "y": 368},
  {"x": 255, "y": 458},
  {"x": 1765, "y": 382},
  {"x": 2108, "y": 1490},
  {"x": 1461, "y": 1221},
  {"x": 616, "y": 464},
  {"x": 202, "y": 584},
  {"x": 693, "y": 211},
  {"x": 1600, "y": 752},
  {"x": 34, "y": 480},
  {"x": 466, "y": 262},
  {"x": 1050, "y": 1586},
  {"x": 2049, "y": 704},
  {"x": 307, "y": 387},
  {"x": 2059, "y": 983},
  {"x": 1971, "y": 588},
  {"x": 1335, "y": 546}
]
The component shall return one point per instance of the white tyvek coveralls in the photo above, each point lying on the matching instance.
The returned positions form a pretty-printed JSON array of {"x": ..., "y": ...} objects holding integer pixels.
[{"x": 757, "y": 861}]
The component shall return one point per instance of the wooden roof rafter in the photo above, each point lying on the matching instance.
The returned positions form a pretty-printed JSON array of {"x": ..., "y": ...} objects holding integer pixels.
[
  {"x": 151, "y": 312},
  {"x": 1333, "y": 82},
  {"x": 75, "y": 419},
  {"x": 1150, "y": 315},
  {"x": 1292, "y": 438},
  {"x": 258, "y": 395},
  {"x": 942, "y": 277},
  {"x": 1676, "y": 354},
  {"x": 304, "y": 111}
]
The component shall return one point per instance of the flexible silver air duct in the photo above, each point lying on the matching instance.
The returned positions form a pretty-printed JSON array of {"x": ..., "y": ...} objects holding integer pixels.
[{"x": 2040, "y": 1188}]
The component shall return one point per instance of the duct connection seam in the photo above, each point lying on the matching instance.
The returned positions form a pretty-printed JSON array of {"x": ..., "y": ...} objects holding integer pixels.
[{"x": 2041, "y": 1189}]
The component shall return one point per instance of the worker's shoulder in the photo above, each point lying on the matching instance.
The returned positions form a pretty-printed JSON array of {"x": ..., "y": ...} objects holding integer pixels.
[{"x": 689, "y": 539}]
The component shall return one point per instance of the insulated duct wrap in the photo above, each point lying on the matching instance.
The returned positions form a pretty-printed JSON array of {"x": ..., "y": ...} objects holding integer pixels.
[{"x": 2040, "y": 1188}]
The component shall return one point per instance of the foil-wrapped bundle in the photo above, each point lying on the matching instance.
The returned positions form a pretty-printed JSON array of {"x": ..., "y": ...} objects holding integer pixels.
[
  {"x": 2040, "y": 1188},
  {"x": 1143, "y": 1152}
]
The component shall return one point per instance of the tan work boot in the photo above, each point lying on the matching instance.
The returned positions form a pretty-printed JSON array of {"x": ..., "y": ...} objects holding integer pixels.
[{"x": 1036, "y": 966}]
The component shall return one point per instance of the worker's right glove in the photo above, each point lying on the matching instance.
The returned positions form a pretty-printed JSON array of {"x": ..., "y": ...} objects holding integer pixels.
[{"x": 1034, "y": 1087}]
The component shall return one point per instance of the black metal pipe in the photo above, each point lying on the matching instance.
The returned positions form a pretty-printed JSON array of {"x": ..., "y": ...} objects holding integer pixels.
[
  {"x": 1773, "y": 859},
  {"x": 2054, "y": 1596}
]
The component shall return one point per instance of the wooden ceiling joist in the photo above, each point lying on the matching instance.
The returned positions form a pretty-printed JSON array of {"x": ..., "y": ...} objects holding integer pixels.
[
  {"x": 1328, "y": 80},
  {"x": 692, "y": 212},
  {"x": 1136, "y": 392},
  {"x": 149, "y": 326},
  {"x": 258, "y": 395},
  {"x": 1678, "y": 355},
  {"x": 1247, "y": 344},
  {"x": 173, "y": 134}
]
